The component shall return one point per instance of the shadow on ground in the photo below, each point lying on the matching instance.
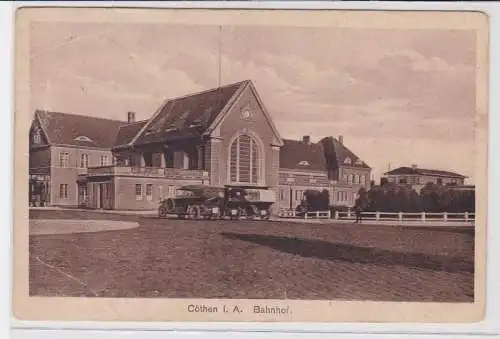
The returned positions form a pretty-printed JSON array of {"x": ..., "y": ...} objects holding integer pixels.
[{"x": 315, "y": 248}]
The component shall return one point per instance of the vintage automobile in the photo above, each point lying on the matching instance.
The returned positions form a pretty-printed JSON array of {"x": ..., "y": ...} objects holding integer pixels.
[
  {"x": 214, "y": 202},
  {"x": 194, "y": 202},
  {"x": 249, "y": 202}
]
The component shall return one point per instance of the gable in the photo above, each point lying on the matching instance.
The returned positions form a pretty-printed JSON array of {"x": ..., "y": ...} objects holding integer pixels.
[
  {"x": 345, "y": 156},
  {"x": 37, "y": 136},
  {"x": 247, "y": 103}
]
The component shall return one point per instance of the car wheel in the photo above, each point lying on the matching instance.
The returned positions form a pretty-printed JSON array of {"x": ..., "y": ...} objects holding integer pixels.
[
  {"x": 170, "y": 205},
  {"x": 162, "y": 212},
  {"x": 253, "y": 211},
  {"x": 194, "y": 212}
]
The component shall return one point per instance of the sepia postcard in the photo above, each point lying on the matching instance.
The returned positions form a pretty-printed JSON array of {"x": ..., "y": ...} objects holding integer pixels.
[{"x": 230, "y": 165}]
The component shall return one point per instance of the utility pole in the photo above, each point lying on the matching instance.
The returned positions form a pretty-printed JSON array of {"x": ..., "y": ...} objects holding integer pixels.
[{"x": 220, "y": 57}]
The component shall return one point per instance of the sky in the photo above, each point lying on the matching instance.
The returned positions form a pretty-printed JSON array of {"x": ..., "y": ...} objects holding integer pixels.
[{"x": 398, "y": 97}]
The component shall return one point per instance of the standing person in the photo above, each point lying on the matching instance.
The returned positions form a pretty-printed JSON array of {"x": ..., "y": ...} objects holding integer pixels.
[{"x": 358, "y": 209}]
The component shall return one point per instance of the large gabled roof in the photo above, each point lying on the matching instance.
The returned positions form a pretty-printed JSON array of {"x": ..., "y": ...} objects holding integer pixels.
[
  {"x": 296, "y": 154},
  {"x": 328, "y": 154},
  {"x": 195, "y": 112},
  {"x": 78, "y": 130},
  {"x": 195, "y": 115}
]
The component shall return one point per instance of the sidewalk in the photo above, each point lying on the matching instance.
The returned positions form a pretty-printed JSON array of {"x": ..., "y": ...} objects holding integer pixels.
[{"x": 119, "y": 212}]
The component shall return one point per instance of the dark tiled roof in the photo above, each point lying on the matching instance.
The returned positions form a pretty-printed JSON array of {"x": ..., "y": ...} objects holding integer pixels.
[
  {"x": 200, "y": 109},
  {"x": 423, "y": 171},
  {"x": 64, "y": 128},
  {"x": 328, "y": 154},
  {"x": 342, "y": 153},
  {"x": 303, "y": 156},
  {"x": 127, "y": 132}
]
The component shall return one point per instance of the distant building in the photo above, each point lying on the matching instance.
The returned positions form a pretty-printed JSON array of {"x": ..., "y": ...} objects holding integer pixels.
[
  {"x": 420, "y": 176},
  {"x": 328, "y": 164},
  {"x": 220, "y": 136}
]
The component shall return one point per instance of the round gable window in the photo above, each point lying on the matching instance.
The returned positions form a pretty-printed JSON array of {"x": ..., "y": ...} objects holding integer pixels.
[{"x": 246, "y": 114}]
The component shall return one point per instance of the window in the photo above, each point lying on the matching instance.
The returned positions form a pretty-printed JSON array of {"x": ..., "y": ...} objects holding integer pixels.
[
  {"x": 356, "y": 179},
  {"x": 149, "y": 192},
  {"x": 82, "y": 192},
  {"x": 350, "y": 179},
  {"x": 244, "y": 162},
  {"x": 282, "y": 194},
  {"x": 347, "y": 161},
  {"x": 63, "y": 191},
  {"x": 363, "y": 180},
  {"x": 83, "y": 138},
  {"x": 172, "y": 191},
  {"x": 104, "y": 160},
  {"x": 138, "y": 192},
  {"x": 63, "y": 159},
  {"x": 84, "y": 160},
  {"x": 346, "y": 178},
  {"x": 342, "y": 196},
  {"x": 359, "y": 162},
  {"x": 37, "y": 138},
  {"x": 299, "y": 195}
]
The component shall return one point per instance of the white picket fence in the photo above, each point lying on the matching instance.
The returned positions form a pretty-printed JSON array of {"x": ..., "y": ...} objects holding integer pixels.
[{"x": 384, "y": 216}]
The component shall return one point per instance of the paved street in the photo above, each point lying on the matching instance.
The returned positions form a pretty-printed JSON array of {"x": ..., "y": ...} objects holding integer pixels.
[{"x": 247, "y": 259}]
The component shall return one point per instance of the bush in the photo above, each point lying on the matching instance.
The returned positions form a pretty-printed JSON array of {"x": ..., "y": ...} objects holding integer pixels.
[{"x": 432, "y": 198}]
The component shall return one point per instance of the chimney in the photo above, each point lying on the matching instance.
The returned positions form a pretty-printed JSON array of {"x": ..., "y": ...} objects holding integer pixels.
[
  {"x": 131, "y": 117},
  {"x": 306, "y": 139},
  {"x": 341, "y": 139}
]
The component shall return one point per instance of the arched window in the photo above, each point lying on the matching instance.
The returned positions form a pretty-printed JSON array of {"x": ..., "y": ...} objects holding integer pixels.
[
  {"x": 244, "y": 164},
  {"x": 347, "y": 161},
  {"x": 350, "y": 179},
  {"x": 356, "y": 178}
]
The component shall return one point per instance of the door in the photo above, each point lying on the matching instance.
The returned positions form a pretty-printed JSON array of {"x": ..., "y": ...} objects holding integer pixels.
[{"x": 106, "y": 196}]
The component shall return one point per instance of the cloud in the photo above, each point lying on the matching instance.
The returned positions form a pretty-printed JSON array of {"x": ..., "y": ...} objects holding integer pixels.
[{"x": 389, "y": 88}]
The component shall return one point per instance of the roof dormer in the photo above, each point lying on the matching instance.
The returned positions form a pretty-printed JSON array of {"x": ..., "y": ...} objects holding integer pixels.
[
  {"x": 83, "y": 138},
  {"x": 304, "y": 163}
]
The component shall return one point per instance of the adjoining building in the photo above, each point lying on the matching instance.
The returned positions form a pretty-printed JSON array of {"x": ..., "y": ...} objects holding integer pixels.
[
  {"x": 216, "y": 137},
  {"x": 420, "y": 176}
]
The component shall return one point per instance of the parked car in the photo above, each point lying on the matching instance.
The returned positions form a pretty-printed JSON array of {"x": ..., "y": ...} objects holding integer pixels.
[
  {"x": 194, "y": 202},
  {"x": 214, "y": 202},
  {"x": 250, "y": 202}
]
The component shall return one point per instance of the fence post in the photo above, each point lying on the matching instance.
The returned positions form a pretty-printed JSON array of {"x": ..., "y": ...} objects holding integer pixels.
[
  {"x": 336, "y": 215},
  {"x": 305, "y": 216},
  {"x": 349, "y": 213},
  {"x": 423, "y": 216},
  {"x": 445, "y": 217},
  {"x": 317, "y": 214},
  {"x": 400, "y": 216},
  {"x": 466, "y": 216},
  {"x": 377, "y": 215}
]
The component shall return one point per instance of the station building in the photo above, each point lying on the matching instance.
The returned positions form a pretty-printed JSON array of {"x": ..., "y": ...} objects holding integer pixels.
[{"x": 216, "y": 137}]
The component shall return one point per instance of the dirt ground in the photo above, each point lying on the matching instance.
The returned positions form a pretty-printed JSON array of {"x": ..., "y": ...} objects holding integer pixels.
[{"x": 249, "y": 259}]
